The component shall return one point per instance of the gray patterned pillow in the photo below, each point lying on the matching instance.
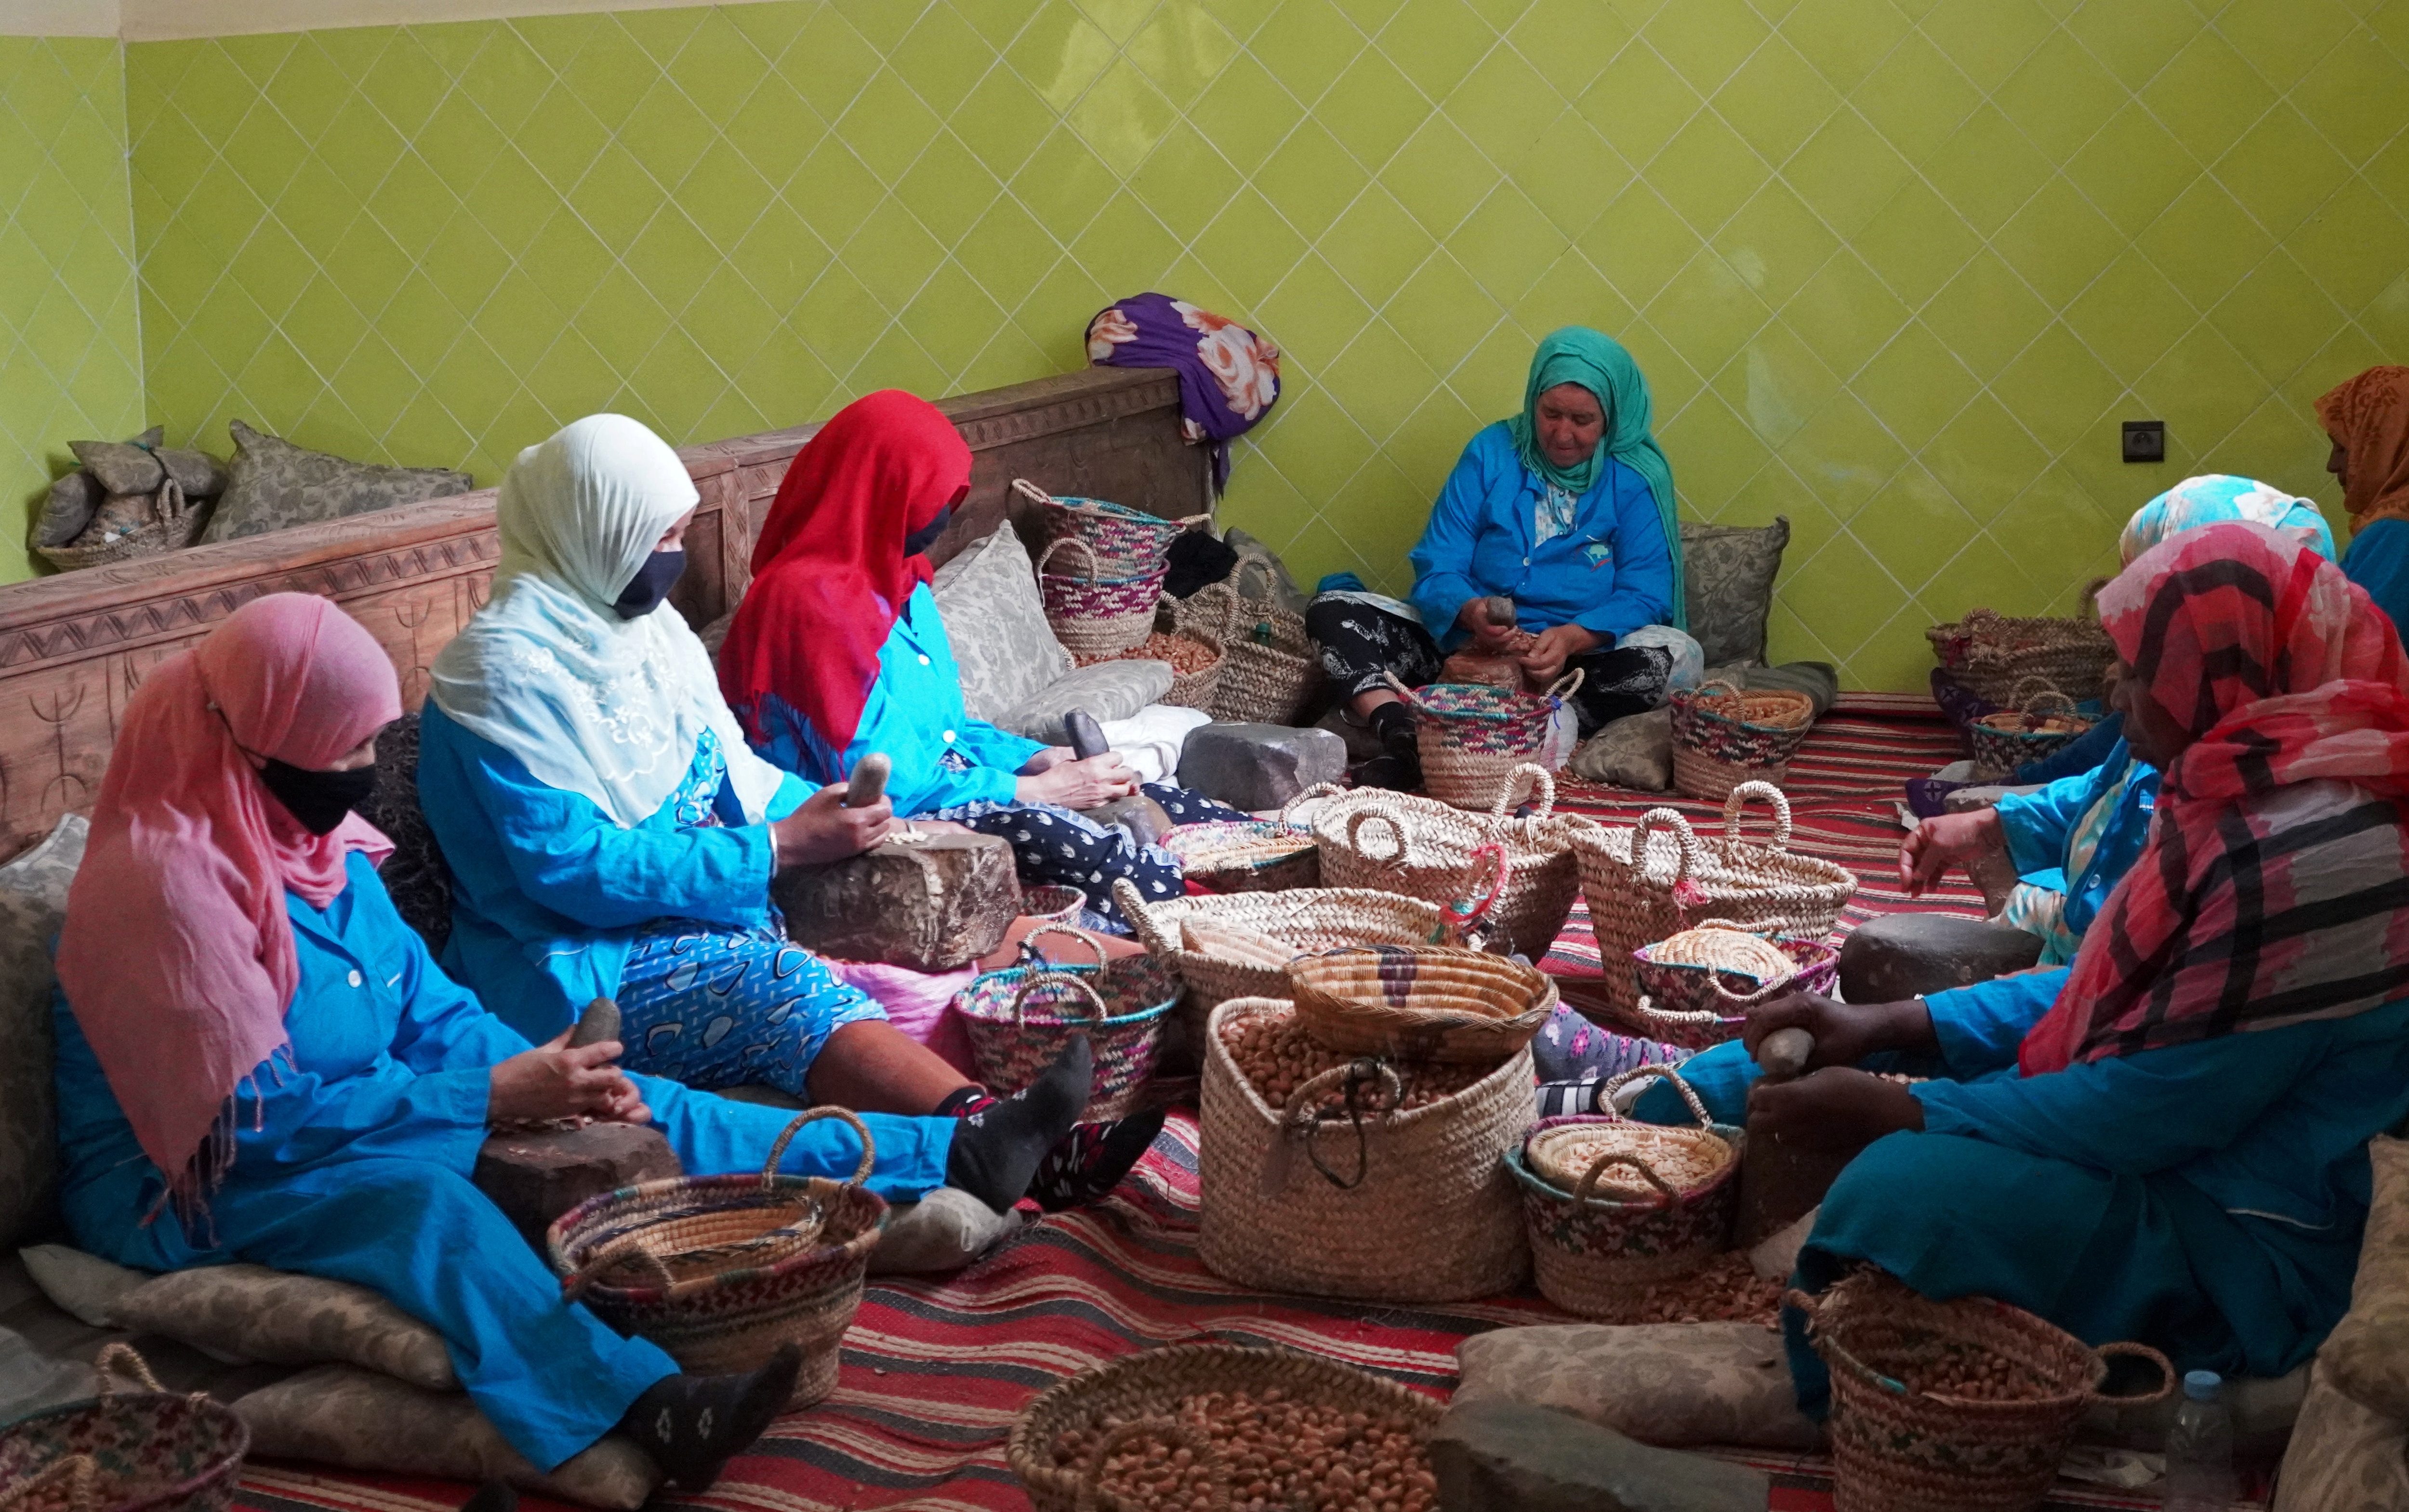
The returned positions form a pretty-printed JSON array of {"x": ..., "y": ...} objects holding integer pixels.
[
  {"x": 1730, "y": 570},
  {"x": 253, "y": 1312},
  {"x": 1667, "y": 1384},
  {"x": 341, "y": 1416},
  {"x": 33, "y": 902},
  {"x": 1108, "y": 690},
  {"x": 274, "y": 485},
  {"x": 2343, "y": 1456},
  {"x": 996, "y": 623}
]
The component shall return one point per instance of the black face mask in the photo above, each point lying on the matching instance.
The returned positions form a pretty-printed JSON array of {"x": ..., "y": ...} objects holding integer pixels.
[
  {"x": 319, "y": 799},
  {"x": 650, "y": 585},
  {"x": 921, "y": 540}
]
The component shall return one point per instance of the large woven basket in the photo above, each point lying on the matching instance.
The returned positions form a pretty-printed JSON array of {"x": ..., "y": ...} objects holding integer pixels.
[
  {"x": 124, "y": 1451},
  {"x": 1636, "y": 897},
  {"x": 1155, "y": 1383},
  {"x": 1021, "y": 1017},
  {"x": 1420, "y": 847},
  {"x": 1689, "y": 998},
  {"x": 1614, "y": 1205},
  {"x": 1901, "y": 1447},
  {"x": 721, "y": 1271},
  {"x": 1307, "y": 919},
  {"x": 1472, "y": 737},
  {"x": 173, "y": 524},
  {"x": 1189, "y": 689},
  {"x": 1421, "y": 1003},
  {"x": 1269, "y": 670},
  {"x": 1127, "y": 543},
  {"x": 1429, "y": 1214},
  {"x": 1721, "y": 740},
  {"x": 1093, "y": 615},
  {"x": 1992, "y": 653},
  {"x": 2037, "y": 722},
  {"x": 1245, "y": 855}
]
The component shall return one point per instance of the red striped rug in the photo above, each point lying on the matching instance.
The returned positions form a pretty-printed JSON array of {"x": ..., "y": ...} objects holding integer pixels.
[{"x": 935, "y": 1371}]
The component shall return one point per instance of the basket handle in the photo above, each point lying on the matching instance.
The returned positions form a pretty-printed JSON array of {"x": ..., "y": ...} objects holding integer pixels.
[
  {"x": 1489, "y": 864},
  {"x": 632, "y": 1247},
  {"x": 778, "y": 1150},
  {"x": 1397, "y": 823},
  {"x": 1689, "y": 1094},
  {"x": 1092, "y": 1497},
  {"x": 1060, "y": 541},
  {"x": 1566, "y": 686},
  {"x": 2139, "y": 1351},
  {"x": 123, "y": 1357},
  {"x": 1585, "y": 1195},
  {"x": 1149, "y": 929},
  {"x": 1298, "y": 1120},
  {"x": 1684, "y": 839},
  {"x": 1057, "y": 980},
  {"x": 1699, "y": 695},
  {"x": 1770, "y": 794},
  {"x": 1404, "y": 692},
  {"x": 1316, "y": 790},
  {"x": 1750, "y": 1000},
  {"x": 1542, "y": 787},
  {"x": 1189, "y": 522},
  {"x": 81, "y": 1472},
  {"x": 1073, "y": 931},
  {"x": 1031, "y": 491}
]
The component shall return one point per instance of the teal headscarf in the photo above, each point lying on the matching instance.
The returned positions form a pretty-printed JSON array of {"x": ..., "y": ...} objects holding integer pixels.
[{"x": 1596, "y": 362}]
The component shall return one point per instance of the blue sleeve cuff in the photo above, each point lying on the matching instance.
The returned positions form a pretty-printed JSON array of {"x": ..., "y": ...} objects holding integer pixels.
[{"x": 792, "y": 791}]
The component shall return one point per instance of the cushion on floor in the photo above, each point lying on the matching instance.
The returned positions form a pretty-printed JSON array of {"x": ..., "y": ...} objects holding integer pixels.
[
  {"x": 274, "y": 485},
  {"x": 1110, "y": 690},
  {"x": 2367, "y": 1355},
  {"x": 85, "y": 1287},
  {"x": 2343, "y": 1456},
  {"x": 1668, "y": 1384},
  {"x": 253, "y": 1312},
  {"x": 33, "y": 905},
  {"x": 996, "y": 625},
  {"x": 1729, "y": 572}
]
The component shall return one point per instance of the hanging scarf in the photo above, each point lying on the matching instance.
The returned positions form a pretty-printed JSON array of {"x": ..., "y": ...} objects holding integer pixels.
[
  {"x": 2268, "y": 891},
  {"x": 177, "y": 954},
  {"x": 829, "y": 576},
  {"x": 2368, "y": 417},
  {"x": 1229, "y": 376},
  {"x": 1577, "y": 355},
  {"x": 590, "y": 703},
  {"x": 2217, "y": 497}
]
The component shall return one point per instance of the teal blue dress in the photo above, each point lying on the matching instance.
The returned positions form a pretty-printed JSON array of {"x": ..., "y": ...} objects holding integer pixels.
[
  {"x": 2207, "y": 1199},
  {"x": 353, "y": 1154}
]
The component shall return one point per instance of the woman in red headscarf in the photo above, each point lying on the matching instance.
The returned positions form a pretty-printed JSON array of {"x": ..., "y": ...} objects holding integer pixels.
[
  {"x": 838, "y": 649},
  {"x": 2166, "y": 1140}
]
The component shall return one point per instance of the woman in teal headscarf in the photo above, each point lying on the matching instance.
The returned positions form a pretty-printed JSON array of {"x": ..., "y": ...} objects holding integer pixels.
[{"x": 1566, "y": 511}]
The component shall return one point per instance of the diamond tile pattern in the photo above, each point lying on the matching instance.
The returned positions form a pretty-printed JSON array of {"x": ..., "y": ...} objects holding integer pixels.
[
  {"x": 70, "y": 359},
  {"x": 1897, "y": 269}
]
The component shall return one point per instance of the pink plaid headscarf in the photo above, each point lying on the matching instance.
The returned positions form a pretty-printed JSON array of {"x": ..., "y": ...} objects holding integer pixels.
[{"x": 177, "y": 954}]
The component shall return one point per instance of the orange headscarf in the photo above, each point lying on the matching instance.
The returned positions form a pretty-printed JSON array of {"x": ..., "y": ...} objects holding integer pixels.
[{"x": 2368, "y": 417}]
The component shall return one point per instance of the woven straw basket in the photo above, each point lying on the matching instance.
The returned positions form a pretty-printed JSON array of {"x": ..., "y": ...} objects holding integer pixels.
[
  {"x": 2037, "y": 722},
  {"x": 124, "y": 1451},
  {"x": 1693, "y": 994},
  {"x": 1307, "y": 919},
  {"x": 1127, "y": 543},
  {"x": 1900, "y": 1447},
  {"x": 1399, "y": 842},
  {"x": 1614, "y": 1205},
  {"x": 1721, "y": 742},
  {"x": 1429, "y": 1215},
  {"x": 1421, "y": 1003},
  {"x": 1269, "y": 671},
  {"x": 1143, "y": 1390},
  {"x": 720, "y": 1271},
  {"x": 1245, "y": 855},
  {"x": 1636, "y": 899},
  {"x": 173, "y": 526},
  {"x": 1189, "y": 690},
  {"x": 1991, "y": 652},
  {"x": 1093, "y": 615},
  {"x": 1021, "y": 1017},
  {"x": 1472, "y": 737}
]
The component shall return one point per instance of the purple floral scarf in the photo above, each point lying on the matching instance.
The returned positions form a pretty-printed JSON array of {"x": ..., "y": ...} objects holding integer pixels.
[{"x": 1228, "y": 375}]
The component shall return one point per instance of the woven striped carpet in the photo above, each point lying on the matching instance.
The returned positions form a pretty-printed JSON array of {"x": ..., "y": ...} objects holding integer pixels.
[{"x": 935, "y": 1371}]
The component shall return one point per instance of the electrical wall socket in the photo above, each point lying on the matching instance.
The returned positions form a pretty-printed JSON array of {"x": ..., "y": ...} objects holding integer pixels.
[{"x": 2145, "y": 441}]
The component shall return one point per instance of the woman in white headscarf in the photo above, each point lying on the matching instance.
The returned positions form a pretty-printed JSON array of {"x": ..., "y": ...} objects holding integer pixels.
[{"x": 610, "y": 834}]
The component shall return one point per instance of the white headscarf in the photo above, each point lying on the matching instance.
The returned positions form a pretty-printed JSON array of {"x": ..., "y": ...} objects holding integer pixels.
[{"x": 591, "y": 703}]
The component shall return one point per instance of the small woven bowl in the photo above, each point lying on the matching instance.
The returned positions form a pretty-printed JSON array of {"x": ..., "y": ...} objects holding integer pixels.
[
  {"x": 1421, "y": 1003},
  {"x": 1246, "y": 855}
]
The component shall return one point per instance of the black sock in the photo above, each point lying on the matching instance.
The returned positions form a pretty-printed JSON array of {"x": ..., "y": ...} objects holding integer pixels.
[
  {"x": 996, "y": 1150},
  {"x": 691, "y": 1424},
  {"x": 1090, "y": 1160},
  {"x": 493, "y": 1496},
  {"x": 1393, "y": 722},
  {"x": 961, "y": 1102}
]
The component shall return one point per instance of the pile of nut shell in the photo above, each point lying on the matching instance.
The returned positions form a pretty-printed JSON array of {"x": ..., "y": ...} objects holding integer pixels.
[
  {"x": 1279, "y": 1454},
  {"x": 1277, "y": 1057}
]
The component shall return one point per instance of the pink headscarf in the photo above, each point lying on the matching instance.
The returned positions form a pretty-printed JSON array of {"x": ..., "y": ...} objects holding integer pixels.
[{"x": 177, "y": 954}]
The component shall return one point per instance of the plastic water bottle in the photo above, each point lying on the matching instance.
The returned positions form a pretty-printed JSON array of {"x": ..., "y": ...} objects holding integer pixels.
[{"x": 2199, "y": 1448}]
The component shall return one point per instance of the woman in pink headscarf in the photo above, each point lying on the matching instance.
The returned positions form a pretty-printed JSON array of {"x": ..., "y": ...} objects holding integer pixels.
[{"x": 257, "y": 1060}]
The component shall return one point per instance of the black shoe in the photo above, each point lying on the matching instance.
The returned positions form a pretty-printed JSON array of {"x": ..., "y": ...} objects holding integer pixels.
[
  {"x": 1091, "y": 1160},
  {"x": 692, "y": 1425}
]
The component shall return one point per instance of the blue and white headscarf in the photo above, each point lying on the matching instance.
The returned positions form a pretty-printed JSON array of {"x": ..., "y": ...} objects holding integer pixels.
[{"x": 2218, "y": 496}]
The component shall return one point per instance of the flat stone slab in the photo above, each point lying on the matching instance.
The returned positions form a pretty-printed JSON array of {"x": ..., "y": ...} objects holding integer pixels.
[
  {"x": 536, "y": 1175},
  {"x": 1902, "y": 955},
  {"x": 1257, "y": 766},
  {"x": 1506, "y": 1456}
]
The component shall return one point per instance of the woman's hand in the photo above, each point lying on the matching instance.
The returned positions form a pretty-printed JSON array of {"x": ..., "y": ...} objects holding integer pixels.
[
  {"x": 1832, "y": 1109},
  {"x": 1845, "y": 1032},
  {"x": 1079, "y": 784},
  {"x": 1046, "y": 760},
  {"x": 555, "y": 1082},
  {"x": 1488, "y": 639},
  {"x": 1945, "y": 840},
  {"x": 825, "y": 830},
  {"x": 1555, "y": 646}
]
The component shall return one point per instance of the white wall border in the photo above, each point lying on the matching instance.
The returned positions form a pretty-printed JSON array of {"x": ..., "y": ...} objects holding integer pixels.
[
  {"x": 163, "y": 20},
  {"x": 59, "y": 18}
]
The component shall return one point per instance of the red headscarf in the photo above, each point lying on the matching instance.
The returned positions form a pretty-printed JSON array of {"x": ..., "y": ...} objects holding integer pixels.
[
  {"x": 829, "y": 576},
  {"x": 177, "y": 954},
  {"x": 2267, "y": 893}
]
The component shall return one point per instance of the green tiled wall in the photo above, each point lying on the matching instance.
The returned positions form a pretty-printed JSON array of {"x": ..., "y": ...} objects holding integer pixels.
[
  {"x": 1896, "y": 267},
  {"x": 70, "y": 362}
]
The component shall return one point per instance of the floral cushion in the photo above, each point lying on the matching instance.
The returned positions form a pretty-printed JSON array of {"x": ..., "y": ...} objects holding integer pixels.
[
  {"x": 996, "y": 625},
  {"x": 1730, "y": 571},
  {"x": 32, "y": 903},
  {"x": 2343, "y": 1456},
  {"x": 2367, "y": 1355},
  {"x": 1109, "y": 690},
  {"x": 251, "y": 1312},
  {"x": 1667, "y": 1384},
  {"x": 274, "y": 485}
]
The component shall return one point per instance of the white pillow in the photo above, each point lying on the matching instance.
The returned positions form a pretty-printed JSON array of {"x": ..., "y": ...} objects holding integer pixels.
[
  {"x": 996, "y": 623},
  {"x": 33, "y": 902}
]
